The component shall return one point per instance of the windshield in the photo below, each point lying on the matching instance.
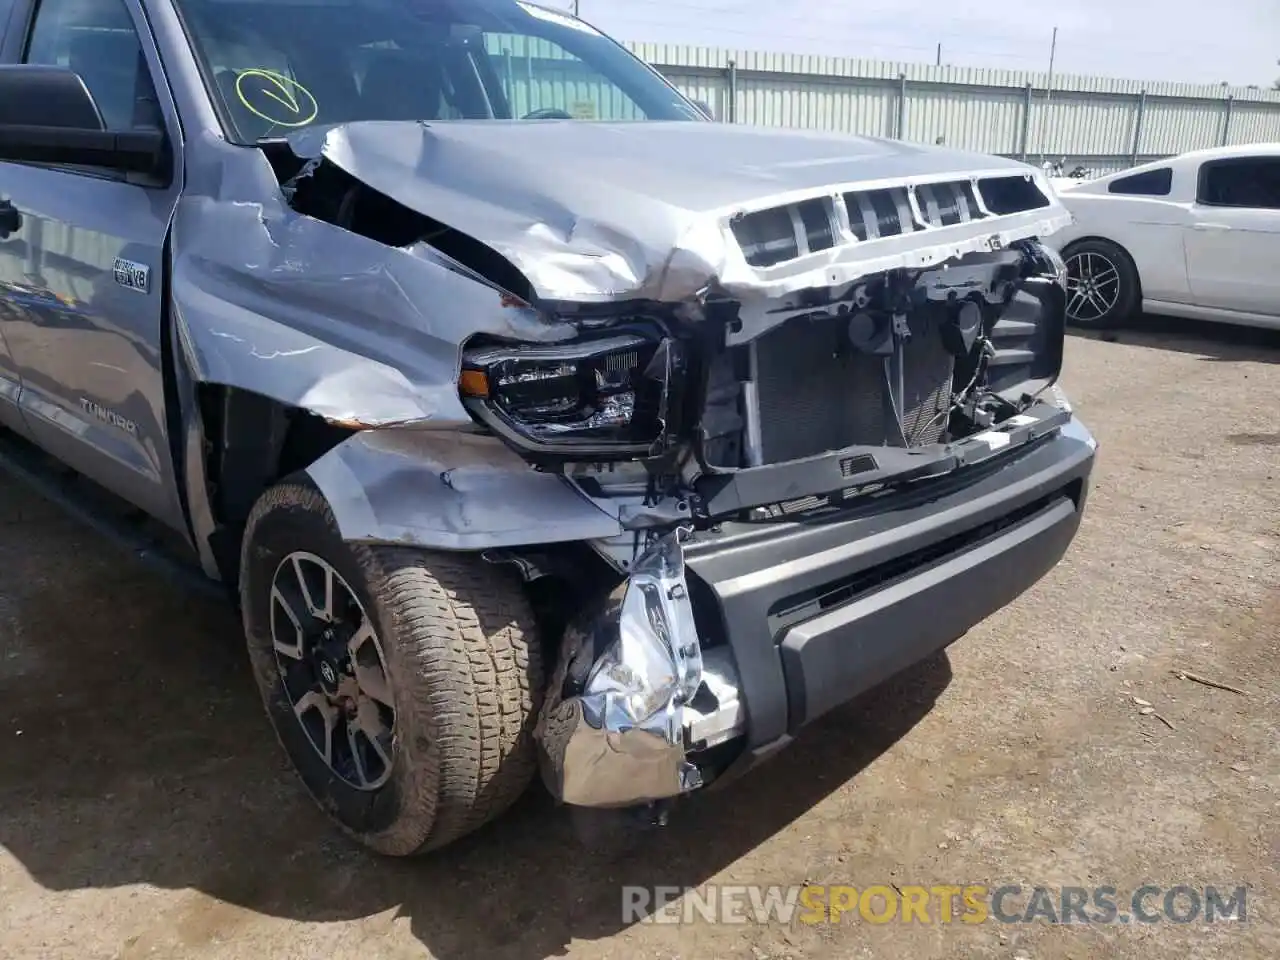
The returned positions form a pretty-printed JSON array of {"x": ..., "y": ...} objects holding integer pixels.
[{"x": 273, "y": 66}]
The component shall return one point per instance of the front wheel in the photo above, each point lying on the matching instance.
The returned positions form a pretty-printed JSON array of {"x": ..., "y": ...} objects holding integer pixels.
[
  {"x": 1102, "y": 285},
  {"x": 402, "y": 684}
]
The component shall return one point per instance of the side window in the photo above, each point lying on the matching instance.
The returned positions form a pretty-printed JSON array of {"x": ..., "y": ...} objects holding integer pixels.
[
  {"x": 539, "y": 74},
  {"x": 1152, "y": 183},
  {"x": 1247, "y": 182},
  {"x": 96, "y": 39},
  {"x": 6, "y": 10}
]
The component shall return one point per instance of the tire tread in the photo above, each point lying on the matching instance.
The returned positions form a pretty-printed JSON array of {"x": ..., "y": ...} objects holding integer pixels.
[{"x": 465, "y": 665}]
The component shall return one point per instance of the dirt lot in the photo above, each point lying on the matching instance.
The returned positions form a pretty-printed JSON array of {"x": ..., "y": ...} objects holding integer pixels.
[{"x": 146, "y": 811}]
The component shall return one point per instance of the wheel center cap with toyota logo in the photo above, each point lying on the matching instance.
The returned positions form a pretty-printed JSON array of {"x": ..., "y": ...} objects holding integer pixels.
[{"x": 329, "y": 673}]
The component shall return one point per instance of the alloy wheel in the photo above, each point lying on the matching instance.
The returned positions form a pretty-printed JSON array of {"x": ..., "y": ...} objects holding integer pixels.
[
  {"x": 1093, "y": 287},
  {"x": 333, "y": 670}
]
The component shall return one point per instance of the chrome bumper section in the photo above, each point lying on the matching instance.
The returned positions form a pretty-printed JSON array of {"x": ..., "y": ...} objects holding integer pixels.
[{"x": 634, "y": 693}]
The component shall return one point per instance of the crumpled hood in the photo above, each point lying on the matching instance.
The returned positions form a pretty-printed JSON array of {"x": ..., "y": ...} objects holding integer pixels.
[{"x": 605, "y": 211}]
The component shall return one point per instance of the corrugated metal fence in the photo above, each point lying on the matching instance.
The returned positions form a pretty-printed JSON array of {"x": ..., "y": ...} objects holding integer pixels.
[{"x": 1103, "y": 123}]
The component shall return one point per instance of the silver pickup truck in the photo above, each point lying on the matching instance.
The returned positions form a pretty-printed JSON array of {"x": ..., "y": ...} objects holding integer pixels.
[{"x": 533, "y": 420}]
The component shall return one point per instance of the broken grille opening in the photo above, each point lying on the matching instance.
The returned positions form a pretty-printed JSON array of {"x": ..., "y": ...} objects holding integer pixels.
[
  {"x": 785, "y": 233},
  {"x": 779, "y": 234},
  {"x": 1004, "y": 195},
  {"x": 879, "y": 213},
  {"x": 946, "y": 204}
]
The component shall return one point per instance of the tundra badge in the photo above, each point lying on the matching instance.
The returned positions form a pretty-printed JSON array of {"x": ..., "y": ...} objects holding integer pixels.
[
  {"x": 109, "y": 416},
  {"x": 135, "y": 276}
]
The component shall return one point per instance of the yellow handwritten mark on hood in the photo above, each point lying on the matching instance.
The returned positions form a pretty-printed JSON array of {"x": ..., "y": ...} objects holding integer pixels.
[{"x": 276, "y": 98}]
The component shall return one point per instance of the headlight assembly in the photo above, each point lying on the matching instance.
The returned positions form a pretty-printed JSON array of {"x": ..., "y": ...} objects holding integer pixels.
[{"x": 615, "y": 397}]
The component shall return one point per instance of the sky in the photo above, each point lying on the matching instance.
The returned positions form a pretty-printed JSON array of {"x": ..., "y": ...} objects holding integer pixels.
[{"x": 1197, "y": 41}]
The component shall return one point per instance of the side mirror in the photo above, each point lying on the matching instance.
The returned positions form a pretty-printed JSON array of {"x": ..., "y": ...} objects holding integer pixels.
[
  {"x": 705, "y": 108},
  {"x": 48, "y": 115}
]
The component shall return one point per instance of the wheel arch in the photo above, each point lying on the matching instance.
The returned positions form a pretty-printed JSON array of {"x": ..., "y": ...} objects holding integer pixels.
[
  {"x": 246, "y": 442},
  {"x": 439, "y": 490},
  {"x": 1099, "y": 238}
]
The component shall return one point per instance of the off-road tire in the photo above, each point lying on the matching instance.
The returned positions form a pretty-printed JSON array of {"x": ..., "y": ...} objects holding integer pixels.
[
  {"x": 1129, "y": 296},
  {"x": 462, "y": 659}
]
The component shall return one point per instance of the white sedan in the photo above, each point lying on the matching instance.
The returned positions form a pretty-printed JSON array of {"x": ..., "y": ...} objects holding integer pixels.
[{"x": 1196, "y": 235}]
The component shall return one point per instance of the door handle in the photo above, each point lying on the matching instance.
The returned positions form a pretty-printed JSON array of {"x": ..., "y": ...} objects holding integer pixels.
[
  {"x": 1214, "y": 227},
  {"x": 10, "y": 219}
]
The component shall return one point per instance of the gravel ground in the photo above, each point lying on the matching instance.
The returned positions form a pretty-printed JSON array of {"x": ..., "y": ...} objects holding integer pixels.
[{"x": 145, "y": 809}]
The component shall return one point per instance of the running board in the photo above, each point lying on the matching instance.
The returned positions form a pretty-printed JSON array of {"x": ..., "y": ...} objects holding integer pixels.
[{"x": 102, "y": 511}]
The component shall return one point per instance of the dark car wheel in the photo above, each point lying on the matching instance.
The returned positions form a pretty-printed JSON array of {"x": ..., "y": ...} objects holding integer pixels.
[
  {"x": 1102, "y": 285},
  {"x": 403, "y": 684}
]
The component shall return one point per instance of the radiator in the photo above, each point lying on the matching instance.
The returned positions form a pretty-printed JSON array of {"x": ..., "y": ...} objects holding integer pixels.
[{"x": 815, "y": 393}]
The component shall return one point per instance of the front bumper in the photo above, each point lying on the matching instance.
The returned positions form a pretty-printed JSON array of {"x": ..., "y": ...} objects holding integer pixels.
[{"x": 762, "y": 628}]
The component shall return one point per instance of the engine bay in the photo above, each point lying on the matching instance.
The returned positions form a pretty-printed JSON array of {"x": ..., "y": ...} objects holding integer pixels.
[{"x": 903, "y": 360}]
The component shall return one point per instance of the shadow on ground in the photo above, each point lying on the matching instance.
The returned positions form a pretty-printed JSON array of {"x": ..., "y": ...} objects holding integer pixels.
[
  {"x": 1214, "y": 342},
  {"x": 144, "y": 757}
]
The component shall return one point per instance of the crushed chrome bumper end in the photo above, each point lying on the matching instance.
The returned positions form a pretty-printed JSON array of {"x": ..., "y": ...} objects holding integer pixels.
[{"x": 634, "y": 693}]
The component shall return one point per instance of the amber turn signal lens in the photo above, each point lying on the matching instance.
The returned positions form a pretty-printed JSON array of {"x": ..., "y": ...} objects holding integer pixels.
[{"x": 474, "y": 383}]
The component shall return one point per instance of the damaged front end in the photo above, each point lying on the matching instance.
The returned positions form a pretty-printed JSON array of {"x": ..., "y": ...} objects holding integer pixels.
[
  {"x": 559, "y": 362},
  {"x": 803, "y": 409}
]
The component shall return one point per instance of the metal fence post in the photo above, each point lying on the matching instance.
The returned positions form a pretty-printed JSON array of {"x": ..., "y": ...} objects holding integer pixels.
[
  {"x": 1137, "y": 129},
  {"x": 733, "y": 91},
  {"x": 1226, "y": 121},
  {"x": 902, "y": 106},
  {"x": 1026, "y": 120}
]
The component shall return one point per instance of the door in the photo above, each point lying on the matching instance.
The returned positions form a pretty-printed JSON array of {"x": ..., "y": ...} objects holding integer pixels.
[
  {"x": 1233, "y": 239},
  {"x": 83, "y": 271},
  {"x": 10, "y": 382},
  {"x": 9, "y": 223}
]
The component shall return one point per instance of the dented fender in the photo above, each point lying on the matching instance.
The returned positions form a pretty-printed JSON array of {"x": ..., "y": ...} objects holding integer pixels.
[
  {"x": 449, "y": 490},
  {"x": 329, "y": 321},
  {"x": 317, "y": 317},
  {"x": 367, "y": 336}
]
